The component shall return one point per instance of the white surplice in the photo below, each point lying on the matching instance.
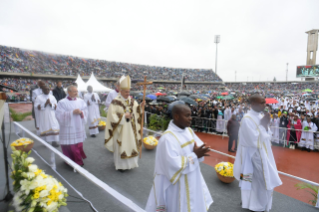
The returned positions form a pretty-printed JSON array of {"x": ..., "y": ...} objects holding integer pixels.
[
  {"x": 275, "y": 130},
  {"x": 307, "y": 137},
  {"x": 35, "y": 93},
  {"x": 220, "y": 123},
  {"x": 112, "y": 95},
  {"x": 48, "y": 124},
  {"x": 255, "y": 166},
  {"x": 94, "y": 112},
  {"x": 178, "y": 184},
  {"x": 72, "y": 127}
]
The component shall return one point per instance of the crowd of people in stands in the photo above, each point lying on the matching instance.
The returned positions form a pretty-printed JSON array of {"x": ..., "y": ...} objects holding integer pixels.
[
  {"x": 15, "y": 60},
  {"x": 24, "y": 84},
  {"x": 294, "y": 120}
]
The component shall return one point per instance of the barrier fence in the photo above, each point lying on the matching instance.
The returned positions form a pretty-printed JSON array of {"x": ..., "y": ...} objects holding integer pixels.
[
  {"x": 219, "y": 126},
  {"x": 21, "y": 129}
]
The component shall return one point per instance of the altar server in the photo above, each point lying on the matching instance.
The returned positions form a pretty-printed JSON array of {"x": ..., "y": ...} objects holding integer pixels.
[
  {"x": 72, "y": 116},
  {"x": 307, "y": 135},
  {"x": 46, "y": 105},
  {"x": 178, "y": 184},
  {"x": 112, "y": 95},
  {"x": 93, "y": 101}
]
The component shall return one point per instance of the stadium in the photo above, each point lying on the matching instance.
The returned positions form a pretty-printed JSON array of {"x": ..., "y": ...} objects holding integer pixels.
[{"x": 140, "y": 106}]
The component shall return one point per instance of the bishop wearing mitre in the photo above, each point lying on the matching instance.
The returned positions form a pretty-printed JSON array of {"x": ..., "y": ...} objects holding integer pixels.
[{"x": 122, "y": 133}]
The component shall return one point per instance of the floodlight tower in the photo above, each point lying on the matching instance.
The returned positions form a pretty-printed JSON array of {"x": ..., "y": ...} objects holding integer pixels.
[
  {"x": 217, "y": 41},
  {"x": 287, "y": 73}
]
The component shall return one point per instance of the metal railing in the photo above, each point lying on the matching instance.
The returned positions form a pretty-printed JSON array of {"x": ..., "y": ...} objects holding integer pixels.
[{"x": 219, "y": 126}]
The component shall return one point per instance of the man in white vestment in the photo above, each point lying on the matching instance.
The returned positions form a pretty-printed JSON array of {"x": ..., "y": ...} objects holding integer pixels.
[
  {"x": 255, "y": 167},
  {"x": 72, "y": 116},
  {"x": 220, "y": 123},
  {"x": 275, "y": 129},
  {"x": 36, "y": 92},
  {"x": 178, "y": 184},
  {"x": 112, "y": 95},
  {"x": 93, "y": 101},
  {"x": 307, "y": 135},
  {"x": 46, "y": 105},
  {"x": 123, "y": 125}
]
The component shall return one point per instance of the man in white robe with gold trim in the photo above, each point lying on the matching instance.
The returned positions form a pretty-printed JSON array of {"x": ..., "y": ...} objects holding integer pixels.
[
  {"x": 178, "y": 184},
  {"x": 255, "y": 166},
  {"x": 123, "y": 124},
  {"x": 49, "y": 128},
  {"x": 93, "y": 100}
]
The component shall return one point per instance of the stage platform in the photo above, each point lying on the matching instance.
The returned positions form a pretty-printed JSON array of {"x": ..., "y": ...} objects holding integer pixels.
[{"x": 134, "y": 184}]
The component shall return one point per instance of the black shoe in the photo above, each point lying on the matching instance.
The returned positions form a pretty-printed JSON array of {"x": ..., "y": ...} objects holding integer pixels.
[
  {"x": 231, "y": 151},
  {"x": 55, "y": 144},
  {"x": 121, "y": 170},
  {"x": 93, "y": 136},
  {"x": 308, "y": 150}
]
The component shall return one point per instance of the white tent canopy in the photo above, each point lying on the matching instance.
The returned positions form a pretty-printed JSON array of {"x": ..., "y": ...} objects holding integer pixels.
[
  {"x": 97, "y": 87},
  {"x": 81, "y": 84}
]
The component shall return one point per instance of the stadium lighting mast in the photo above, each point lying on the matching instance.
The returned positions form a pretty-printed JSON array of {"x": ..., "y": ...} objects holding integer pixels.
[
  {"x": 287, "y": 73},
  {"x": 217, "y": 41}
]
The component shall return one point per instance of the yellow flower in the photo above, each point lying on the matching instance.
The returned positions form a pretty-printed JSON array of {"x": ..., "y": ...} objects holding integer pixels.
[
  {"x": 36, "y": 195},
  {"x": 49, "y": 202}
]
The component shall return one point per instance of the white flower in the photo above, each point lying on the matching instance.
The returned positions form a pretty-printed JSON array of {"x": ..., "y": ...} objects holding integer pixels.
[
  {"x": 44, "y": 193},
  {"x": 29, "y": 160},
  {"x": 52, "y": 206},
  {"x": 33, "y": 168},
  {"x": 25, "y": 186},
  {"x": 61, "y": 196}
]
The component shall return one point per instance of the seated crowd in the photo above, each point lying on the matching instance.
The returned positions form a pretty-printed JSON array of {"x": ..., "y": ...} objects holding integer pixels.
[{"x": 17, "y": 60}]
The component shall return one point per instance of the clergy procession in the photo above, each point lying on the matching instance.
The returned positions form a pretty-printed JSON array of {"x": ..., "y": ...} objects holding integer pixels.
[{"x": 62, "y": 118}]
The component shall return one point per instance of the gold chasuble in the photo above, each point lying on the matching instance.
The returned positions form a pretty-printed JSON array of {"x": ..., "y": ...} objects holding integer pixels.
[{"x": 121, "y": 136}]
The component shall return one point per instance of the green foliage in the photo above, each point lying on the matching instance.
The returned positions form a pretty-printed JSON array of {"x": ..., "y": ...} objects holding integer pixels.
[
  {"x": 102, "y": 111},
  {"x": 313, "y": 191},
  {"x": 18, "y": 116},
  {"x": 158, "y": 122}
]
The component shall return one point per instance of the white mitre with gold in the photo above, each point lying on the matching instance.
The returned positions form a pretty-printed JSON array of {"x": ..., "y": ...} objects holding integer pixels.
[{"x": 125, "y": 83}]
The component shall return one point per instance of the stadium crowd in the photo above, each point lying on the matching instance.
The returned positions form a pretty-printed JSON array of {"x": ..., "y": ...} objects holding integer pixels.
[{"x": 17, "y": 60}]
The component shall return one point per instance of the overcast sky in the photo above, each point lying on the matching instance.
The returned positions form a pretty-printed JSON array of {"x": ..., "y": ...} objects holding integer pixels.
[{"x": 258, "y": 38}]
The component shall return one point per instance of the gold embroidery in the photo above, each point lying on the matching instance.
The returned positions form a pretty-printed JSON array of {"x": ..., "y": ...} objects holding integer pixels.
[
  {"x": 187, "y": 194},
  {"x": 188, "y": 143},
  {"x": 154, "y": 189},
  {"x": 172, "y": 180},
  {"x": 134, "y": 153},
  {"x": 114, "y": 128},
  {"x": 49, "y": 131},
  {"x": 119, "y": 142},
  {"x": 119, "y": 115},
  {"x": 123, "y": 155},
  {"x": 118, "y": 102}
]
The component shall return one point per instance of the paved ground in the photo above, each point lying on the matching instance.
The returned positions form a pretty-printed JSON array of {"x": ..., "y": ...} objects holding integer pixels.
[{"x": 136, "y": 184}]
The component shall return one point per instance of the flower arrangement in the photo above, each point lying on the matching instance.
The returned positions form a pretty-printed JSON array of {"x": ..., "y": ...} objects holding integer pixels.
[
  {"x": 102, "y": 123},
  {"x": 306, "y": 128},
  {"x": 150, "y": 140},
  {"x": 34, "y": 189},
  {"x": 225, "y": 169},
  {"x": 21, "y": 142}
]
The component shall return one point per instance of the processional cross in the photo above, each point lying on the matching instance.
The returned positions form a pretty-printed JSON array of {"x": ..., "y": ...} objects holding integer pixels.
[{"x": 144, "y": 84}]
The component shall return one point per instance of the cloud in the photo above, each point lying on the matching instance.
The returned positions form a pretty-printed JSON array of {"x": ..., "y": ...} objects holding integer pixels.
[{"x": 258, "y": 38}]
